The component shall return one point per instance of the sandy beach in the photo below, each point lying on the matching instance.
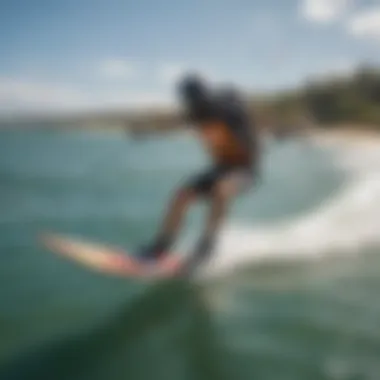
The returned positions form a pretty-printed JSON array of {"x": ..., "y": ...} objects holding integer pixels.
[{"x": 346, "y": 134}]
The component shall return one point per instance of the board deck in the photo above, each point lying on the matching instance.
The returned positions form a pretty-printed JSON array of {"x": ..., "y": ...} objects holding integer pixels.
[{"x": 107, "y": 259}]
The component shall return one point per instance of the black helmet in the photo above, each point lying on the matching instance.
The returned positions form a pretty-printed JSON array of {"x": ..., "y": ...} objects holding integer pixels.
[{"x": 192, "y": 87}]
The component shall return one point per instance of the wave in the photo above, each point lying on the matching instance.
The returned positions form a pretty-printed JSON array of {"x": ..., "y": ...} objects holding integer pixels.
[{"x": 345, "y": 223}]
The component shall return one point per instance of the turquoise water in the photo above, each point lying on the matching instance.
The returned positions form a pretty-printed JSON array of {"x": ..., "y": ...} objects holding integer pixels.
[{"x": 291, "y": 294}]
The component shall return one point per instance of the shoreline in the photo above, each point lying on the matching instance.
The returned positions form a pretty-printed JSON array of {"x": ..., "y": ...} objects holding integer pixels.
[{"x": 349, "y": 134}]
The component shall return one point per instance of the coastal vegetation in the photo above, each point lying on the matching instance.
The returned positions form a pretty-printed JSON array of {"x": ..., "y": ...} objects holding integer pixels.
[{"x": 329, "y": 102}]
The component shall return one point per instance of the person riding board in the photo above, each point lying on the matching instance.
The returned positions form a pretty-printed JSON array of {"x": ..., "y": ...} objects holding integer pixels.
[{"x": 231, "y": 138}]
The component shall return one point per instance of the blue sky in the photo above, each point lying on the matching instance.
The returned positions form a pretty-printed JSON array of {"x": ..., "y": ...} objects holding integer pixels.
[{"x": 91, "y": 54}]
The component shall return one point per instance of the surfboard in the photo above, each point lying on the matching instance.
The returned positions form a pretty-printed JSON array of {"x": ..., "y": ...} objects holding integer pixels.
[{"x": 107, "y": 259}]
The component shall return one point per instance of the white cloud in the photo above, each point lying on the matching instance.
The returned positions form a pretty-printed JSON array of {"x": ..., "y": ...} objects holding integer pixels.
[
  {"x": 323, "y": 11},
  {"x": 366, "y": 24},
  {"x": 169, "y": 73},
  {"x": 124, "y": 99},
  {"x": 29, "y": 94},
  {"x": 118, "y": 69},
  {"x": 20, "y": 95},
  {"x": 338, "y": 68}
]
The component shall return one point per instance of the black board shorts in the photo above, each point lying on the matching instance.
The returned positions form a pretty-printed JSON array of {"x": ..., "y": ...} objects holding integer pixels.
[{"x": 204, "y": 183}]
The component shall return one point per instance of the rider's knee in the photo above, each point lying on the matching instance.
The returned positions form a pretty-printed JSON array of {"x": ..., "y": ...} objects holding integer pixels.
[
  {"x": 185, "y": 195},
  {"x": 223, "y": 191}
]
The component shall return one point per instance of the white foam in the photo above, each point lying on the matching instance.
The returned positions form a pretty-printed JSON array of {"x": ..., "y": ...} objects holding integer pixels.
[{"x": 345, "y": 223}]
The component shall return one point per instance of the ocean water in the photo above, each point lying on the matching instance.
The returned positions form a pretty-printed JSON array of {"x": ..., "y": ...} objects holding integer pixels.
[{"x": 291, "y": 293}]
